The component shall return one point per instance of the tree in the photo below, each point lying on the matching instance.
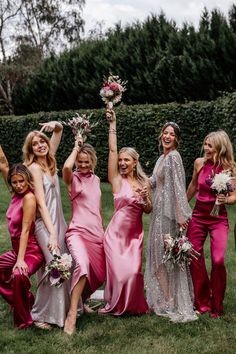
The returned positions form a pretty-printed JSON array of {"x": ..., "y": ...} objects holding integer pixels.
[{"x": 43, "y": 27}]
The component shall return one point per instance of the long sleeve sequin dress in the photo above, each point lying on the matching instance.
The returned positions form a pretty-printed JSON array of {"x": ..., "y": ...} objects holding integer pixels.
[
  {"x": 52, "y": 303},
  {"x": 169, "y": 289}
]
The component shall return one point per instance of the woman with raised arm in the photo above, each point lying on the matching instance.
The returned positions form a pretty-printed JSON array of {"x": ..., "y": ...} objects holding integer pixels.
[
  {"x": 218, "y": 156},
  {"x": 85, "y": 232},
  {"x": 25, "y": 258},
  {"x": 168, "y": 286},
  {"x": 51, "y": 303},
  {"x": 123, "y": 243}
]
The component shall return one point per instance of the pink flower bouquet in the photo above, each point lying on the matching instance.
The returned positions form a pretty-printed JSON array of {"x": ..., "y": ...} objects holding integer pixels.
[
  {"x": 80, "y": 125},
  {"x": 112, "y": 90},
  {"x": 58, "y": 269},
  {"x": 178, "y": 250}
]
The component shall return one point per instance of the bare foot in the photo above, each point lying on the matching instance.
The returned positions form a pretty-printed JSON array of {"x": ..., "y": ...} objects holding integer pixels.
[
  {"x": 88, "y": 309},
  {"x": 70, "y": 324}
]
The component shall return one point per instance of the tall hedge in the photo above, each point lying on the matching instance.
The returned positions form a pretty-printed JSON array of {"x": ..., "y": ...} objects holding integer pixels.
[{"x": 138, "y": 126}]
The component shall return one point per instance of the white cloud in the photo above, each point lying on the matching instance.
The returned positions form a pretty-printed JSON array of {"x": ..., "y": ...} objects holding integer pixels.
[{"x": 127, "y": 11}]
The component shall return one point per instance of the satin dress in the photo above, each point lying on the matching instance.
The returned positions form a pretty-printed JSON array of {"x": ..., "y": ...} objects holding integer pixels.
[
  {"x": 52, "y": 303},
  {"x": 85, "y": 232},
  {"x": 123, "y": 243},
  {"x": 208, "y": 292},
  {"x": 15, "y": 288}
]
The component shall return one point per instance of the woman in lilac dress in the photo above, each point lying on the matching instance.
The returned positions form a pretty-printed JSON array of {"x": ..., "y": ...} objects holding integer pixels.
[
  {"x": 25, "y": 258},
  {"x": 51, "y": 304},
  {"x": 85, "y": 233},
  {"x": 124, "y": 291}
]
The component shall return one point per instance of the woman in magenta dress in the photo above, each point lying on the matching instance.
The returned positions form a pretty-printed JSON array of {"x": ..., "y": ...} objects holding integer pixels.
[
  {"x": 218, "y": 156},
  {"x": 85, "y": 232},
  {"x": 25, "y": 258},
  {"x": 123, "y": 243}
]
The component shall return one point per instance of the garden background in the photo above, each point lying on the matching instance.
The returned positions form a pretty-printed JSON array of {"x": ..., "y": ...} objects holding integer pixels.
[{"x": 186, "y": 75}]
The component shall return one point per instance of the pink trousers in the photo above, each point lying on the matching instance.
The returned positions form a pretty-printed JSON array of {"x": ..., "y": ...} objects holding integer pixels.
[
  {"x": 209, "y": 293},
  {"x": 15, "y": 288}
]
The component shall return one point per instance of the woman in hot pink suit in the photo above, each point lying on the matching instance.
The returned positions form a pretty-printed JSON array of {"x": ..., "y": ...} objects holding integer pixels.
[
  {"x": 218, "y": 156},
  {"x": 25, "y": 258},
  {"x": 85, "y": 232},
  {"x": 124, "y": 291}
]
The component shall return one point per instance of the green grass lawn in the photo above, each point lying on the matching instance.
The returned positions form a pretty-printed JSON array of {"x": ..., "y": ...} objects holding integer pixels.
[{"x": 129, "y": 334}]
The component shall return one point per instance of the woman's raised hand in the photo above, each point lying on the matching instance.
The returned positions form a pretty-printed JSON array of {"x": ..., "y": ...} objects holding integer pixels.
[
  {"x": 51, "y": 126},
  {"x": 110, "y": 115},
  {"x": 78, "y": 140}
]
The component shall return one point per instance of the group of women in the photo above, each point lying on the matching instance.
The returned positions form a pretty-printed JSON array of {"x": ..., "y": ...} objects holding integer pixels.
[{"x": 114, "y": 256}]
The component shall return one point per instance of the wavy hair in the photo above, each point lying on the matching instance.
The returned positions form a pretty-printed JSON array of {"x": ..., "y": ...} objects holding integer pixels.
[
  {"x": 138, "y": 171},
  {"x": 22, "y": 170},
  {"x": 29, "y": 156},
  {"x": 222, "y": 145},
  {"x": 176, "y": 131}
]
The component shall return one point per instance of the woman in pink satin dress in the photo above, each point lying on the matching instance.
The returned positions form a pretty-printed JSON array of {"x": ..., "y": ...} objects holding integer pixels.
[
  {"x": 124, "y": 291},
  {"x": 25, "y": 258},
  {"x": 218, "y": 156},
  {"x": 85, "y": 232}
]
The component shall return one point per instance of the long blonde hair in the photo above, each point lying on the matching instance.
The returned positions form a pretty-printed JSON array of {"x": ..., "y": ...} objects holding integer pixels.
[
  {"x": 139, "y": 174},
  {"x": 224, "y": 155},
  {"x": 29, "y": 156}
]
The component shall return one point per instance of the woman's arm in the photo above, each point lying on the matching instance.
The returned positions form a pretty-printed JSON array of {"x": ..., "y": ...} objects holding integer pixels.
[
  {"x": 40, "y": 198},
  {"x": 29, "y": 211},
  {"x": 113, "y": 173},
  {"x": 192, "y": 187},
  {"x": 57, "y": 130},
  {"x": 67, "y": 171},
  {"x": 4, "y": 168}
]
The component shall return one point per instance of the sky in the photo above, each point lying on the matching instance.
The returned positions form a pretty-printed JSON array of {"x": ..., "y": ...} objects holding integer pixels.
[{"x": 110, "y": 12}]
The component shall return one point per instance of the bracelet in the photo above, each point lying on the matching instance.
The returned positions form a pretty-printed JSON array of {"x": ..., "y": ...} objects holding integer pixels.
[{"x": 111, "y": 130}]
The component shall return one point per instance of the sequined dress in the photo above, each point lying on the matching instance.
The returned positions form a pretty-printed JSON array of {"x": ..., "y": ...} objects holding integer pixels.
[
  {"x": 169, "y": 289},
  {"x": 52, "y": 303}
]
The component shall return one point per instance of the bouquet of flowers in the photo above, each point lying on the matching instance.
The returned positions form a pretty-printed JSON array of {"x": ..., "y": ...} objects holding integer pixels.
[
  {"x": 58, "y": 269},
  {"x": 220, "y": 184},
  {"x": 112, "y": 89},
  {"x": 178, "y": 250},
  {"x": 80, "y": 125}
]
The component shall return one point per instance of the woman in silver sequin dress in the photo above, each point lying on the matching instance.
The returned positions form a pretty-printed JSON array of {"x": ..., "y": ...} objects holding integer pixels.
[
  {"x": 52, "y": 303},
  {"x": 168, "y": 288}
]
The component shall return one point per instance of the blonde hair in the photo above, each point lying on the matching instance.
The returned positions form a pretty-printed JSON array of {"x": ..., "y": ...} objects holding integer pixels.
[
  {"x": 139, "y": 174},
  {"x": 22, "y": 170},
  {"x": 222, "y": 145},
  {"x": 29, "y": 156},
  {"x": 90, "y": 151}
]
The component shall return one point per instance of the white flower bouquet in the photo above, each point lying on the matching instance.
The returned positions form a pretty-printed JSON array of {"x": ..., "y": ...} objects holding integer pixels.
[
  {"x": 58, "y": 269},
  {"x": 80, "y": 125},
  {"x": 220, "y": 184},
  {"x": 178, "y": 250},
  {"x": 112, "y": 90}
]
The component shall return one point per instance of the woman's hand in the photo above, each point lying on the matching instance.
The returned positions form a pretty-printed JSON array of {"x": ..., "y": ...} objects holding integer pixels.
[
  {"x": 184, "y": 225},
  {"x": 21, "y": 266},
  {"x": 78, "y": 141},
  {"x": 222, "y": 198},
  {"x": 51, "y": 126},
  {"x": 52, "y": 243},
  {"x": 110, "y": 115}
]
